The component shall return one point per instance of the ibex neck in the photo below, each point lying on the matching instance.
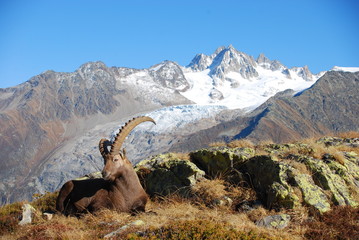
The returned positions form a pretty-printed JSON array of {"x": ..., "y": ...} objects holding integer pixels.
[{"x": 128, "y": 181}]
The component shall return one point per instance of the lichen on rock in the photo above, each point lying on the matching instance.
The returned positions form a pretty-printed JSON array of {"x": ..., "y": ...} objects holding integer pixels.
[
  {"x": 312, "y": 194},
  {"x": 330, "y": 180},
  {"x": 165, "y": 173},
  {"x": 219, "y": 161},
  {"x": 271, "y": 181}
]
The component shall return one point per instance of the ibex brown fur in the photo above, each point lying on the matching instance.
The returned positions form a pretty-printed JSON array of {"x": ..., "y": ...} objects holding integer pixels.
[{"x": 119, "y": 189}]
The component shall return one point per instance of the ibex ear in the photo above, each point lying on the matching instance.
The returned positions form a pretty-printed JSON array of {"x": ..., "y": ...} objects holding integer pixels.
[{"x": 123, "y": 153}]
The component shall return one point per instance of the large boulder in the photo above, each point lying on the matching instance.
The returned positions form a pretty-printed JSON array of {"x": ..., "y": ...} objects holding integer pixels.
[
  {"x": 272, "y": 181},
  {"x": 166, "y": 173},
  {"x": 326, "y": 184},
  {"x": 336, "y": 178},
  {"x": 220, "y": 161},
  {"x": 312, "y": 194}
]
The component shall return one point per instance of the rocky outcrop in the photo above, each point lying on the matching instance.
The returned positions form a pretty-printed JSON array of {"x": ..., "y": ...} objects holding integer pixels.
[
  {"x": 276, "y": 181},
  {"x": 285, "y": 180},
  {"x": 166, "y": 173},
  {"x": 220, "y": 161},
  {"x": 169, "y": 75},
  {"x": 288, "y": 176},
  {"x": 231, "y": 60}
]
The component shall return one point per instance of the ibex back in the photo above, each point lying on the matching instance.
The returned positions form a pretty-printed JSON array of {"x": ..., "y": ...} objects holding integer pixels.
[{"x": 119, "y": 189}]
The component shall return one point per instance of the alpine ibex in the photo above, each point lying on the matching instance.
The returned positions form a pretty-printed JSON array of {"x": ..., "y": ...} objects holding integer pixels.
[{"x": 119, "y": 188}]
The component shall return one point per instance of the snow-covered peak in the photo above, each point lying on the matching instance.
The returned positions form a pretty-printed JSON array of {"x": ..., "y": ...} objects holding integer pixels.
[
  {"x": 303, "y": 72},
  {"x": 91, "y": 67},
  {"x": 235, "y": 80},
  {"x": 169, "y": 74},
  {"x": 231, "y": 60},
  {"x": 200, "y": 62},
  {"x": 262, "y": 60},
  {"x": 345, "y": 69}
]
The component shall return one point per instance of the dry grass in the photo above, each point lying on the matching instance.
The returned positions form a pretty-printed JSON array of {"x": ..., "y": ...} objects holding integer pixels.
[
  {"x": 208, "y": 191},
  {"x": 344, "y": 148},
  {"x": 301, "y": 167},
  {"x": 241, "y": 143},
  {"x": 165, "y": 213},
  {"x": 196, "y": 217},
  {"x": 319, "y": 150},
  {"x": 266, "y": 142},
  {"x": 310, "y": 147},
  {"x": 350, "y": 134},
  {"x": 180, "y": 215},
  {"x": 218, "y": 144},
  {"x": 340, "y": 223},
  {"x": 258, "y": 214},
  {"x": 171, "y": 211},
  {"x": 183, "y": 156}
]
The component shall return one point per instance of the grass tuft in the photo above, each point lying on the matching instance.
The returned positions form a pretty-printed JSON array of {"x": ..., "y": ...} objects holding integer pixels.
[
  {"x": 241, "y": 143},
  {"x": 339, "y": 223}
]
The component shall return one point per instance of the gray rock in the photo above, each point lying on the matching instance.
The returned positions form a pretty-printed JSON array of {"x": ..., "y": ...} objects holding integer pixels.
[
  {"x": 223, "y": 201},
  {"x": 231, "y": 60},
  {"x": 123, "y": 228},
  {"x": 165, "y": 174},
  {"x": 215, "y": 94},
  {"x": 219, "y": 161},
  {"x": 27, "y": 213},
  {"x": 274, "y": 221}
]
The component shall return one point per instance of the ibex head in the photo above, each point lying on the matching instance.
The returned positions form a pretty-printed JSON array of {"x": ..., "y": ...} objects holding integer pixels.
[{"x": 115, "y": 160}]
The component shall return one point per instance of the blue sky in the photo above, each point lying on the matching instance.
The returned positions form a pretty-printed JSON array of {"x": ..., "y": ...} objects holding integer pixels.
[{"x": 40, "y": 35}]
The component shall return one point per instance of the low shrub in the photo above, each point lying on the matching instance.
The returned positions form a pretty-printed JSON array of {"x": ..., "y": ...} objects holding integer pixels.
[
  {"x": 208, "y": 191},
  {"x": 339, "y": 223},
  {"x": 196, "y": 229},
  {"x": 10, "y": 215},
  {"x": 45, "y": 202}
]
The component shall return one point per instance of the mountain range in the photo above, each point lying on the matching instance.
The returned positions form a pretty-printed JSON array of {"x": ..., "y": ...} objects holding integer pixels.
[{"x": 51, "y": 124}]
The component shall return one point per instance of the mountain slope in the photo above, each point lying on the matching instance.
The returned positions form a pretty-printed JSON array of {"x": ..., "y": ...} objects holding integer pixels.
[
  {"x": 329, "y": 106},
  {"x": 44, "y": 114}
]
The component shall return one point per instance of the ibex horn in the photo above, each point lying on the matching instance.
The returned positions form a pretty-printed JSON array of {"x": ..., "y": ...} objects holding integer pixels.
[
  {"x": 104, "y": 143},
  {"x": 125, "y": 130}
]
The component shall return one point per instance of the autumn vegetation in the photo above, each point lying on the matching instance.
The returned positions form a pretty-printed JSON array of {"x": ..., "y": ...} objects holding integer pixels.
[{"x": 196, "y": 216}]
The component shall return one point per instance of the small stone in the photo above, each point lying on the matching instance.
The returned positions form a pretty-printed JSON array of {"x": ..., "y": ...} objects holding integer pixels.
[
  {"x": 276, "y": 221},
  {"x": 27, "y": 211},
  {"x": 114, "y": 233},
  {"x": 48, "y": 216},
  {"x": 223, "y": 201}
]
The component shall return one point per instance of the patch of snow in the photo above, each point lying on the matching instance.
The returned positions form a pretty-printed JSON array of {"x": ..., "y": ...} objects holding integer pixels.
[
  {"x": 174, "y": 118},
  {"x": 345, "y": 69},
  {"x": 239, "y": 92}
]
